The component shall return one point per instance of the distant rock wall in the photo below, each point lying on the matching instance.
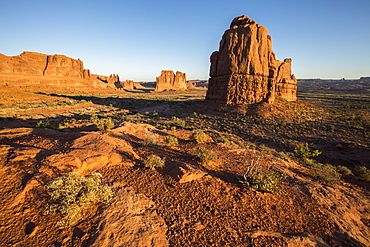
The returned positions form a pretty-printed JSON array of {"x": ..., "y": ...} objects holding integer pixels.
[
  {"x": 34, "y": 68},
  {"x": 168, "y": 80},
  {"x": 128, "y": 84},
  {"x": 245, "y": 70},
  {"x": 33, "y": 63}
]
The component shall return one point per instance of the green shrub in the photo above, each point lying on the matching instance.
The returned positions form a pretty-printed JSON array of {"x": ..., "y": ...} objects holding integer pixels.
[
  {"x": 227, "y": 141},
  {"x": 154, "y": 161},
  {"x": 344, "y": 170},
  {"x": 326, "y": 172},
  {"x": 104, "y": 123},
  {"x": 71, "y": 195},
  {"x": 179, "y": 122},
  {"x": 362, "y": 173},
  {"x": 199, "y": 136},
  {"x": 303, "y": 151},
  {"x": 150, "y": 139},
  {"x": 171, "y": 141},
  {"x": 45, "y": 125},
  {"x": 205, "y": 155},
  {"x": 267, "y": 181}
]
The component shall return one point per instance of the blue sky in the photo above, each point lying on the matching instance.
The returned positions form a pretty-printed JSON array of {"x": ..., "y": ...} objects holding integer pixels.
[{"x": 139, "y": 38}]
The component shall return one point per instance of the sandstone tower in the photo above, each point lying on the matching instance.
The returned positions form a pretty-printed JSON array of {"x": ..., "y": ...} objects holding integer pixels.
[
  {"x": 168, "y": 80},
  {"x": 245, "y": 69}
]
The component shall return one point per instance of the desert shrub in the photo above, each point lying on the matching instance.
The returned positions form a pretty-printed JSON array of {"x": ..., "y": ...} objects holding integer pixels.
[
  {"x": 343, "y": 170},
  {"x": 71, "y": 194},
  {"x": 199, "y": 136},
  {"x": 154, "y": 161},
  {"x": 255, "y": 177},
  {"x": 263, "y": 149},
  {"x": 205, "y": 155},
  {"x": 171, "y": 141},
  {"x": 104, "y": 123},
  {"x": 303, "y": 151},
  {"x": 45, "y": 125},
  {"x": 266, "y": 181},
  {"x": 362, "y": 172},
  {"x": 227, "y": 141},
  {"x": 326, "y": 172},
  {"x": 150, "y": 139}
]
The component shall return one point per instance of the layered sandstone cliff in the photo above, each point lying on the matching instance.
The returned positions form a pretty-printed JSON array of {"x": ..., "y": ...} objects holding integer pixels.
[
  {"x": 168, "y": 80},
  {"x": 32, "y": 68},
  {"x": 245, "y": 70},
  {"x": 33, "y": 63}
]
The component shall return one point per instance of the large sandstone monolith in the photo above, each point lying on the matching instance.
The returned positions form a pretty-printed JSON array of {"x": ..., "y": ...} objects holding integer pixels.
[
  {"x": 33, "y": 63},
  {"x": 245, "y": 70},
  {"x": 168, "y": 80}
]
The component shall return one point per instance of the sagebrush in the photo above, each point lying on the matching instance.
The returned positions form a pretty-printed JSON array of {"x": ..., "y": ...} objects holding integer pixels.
[
  {"x": 73, "y": 193},
  {"x": 205, "y": 155},
  {"x": 154, "y": 161},
  {"x": 171, "y": 141}
]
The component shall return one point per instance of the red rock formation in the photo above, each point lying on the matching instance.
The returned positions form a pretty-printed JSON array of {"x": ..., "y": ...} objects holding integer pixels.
[
  {"x": 60, "y": 65},
  {"x": 27, "y": 63},
  {"x": 245, "y": 69},
  {"x": 169, "y": 81},
  {"x": 128, "y": 84},
  {"x": 33, "y": 63},
  {"x": 34, "y": 68}
]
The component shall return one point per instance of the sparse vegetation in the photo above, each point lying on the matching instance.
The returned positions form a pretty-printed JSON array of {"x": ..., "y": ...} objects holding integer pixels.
[
  {"x": 45, "y": 125},
  {"x": 303, "y": 151},
  {"x": 171, "y": 141},
  {"x": 150, "y": 139},
  {"x": 326, "y": 173},
  {"x": 256, "y": 178},
  {"x": 362, "y": 172},
  {"x": 205, "y": 156},
  {"x": 154, "y": 162},
  {"x": 104, "y": 123},
  {"x": 266, "y": 181},
  {"x": 199, "y": 136},
  {"x": 71, "y": 194},
  {"x": 343, "y": 170}
]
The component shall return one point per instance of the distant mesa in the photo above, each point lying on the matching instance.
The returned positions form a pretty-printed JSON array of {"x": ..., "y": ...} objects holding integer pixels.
[
  {"x": 244, "y": 70},
  {"x": 33, "y": 63},
  {"x": 32, "y": 68},
  {"x": 168, "y": 80}
]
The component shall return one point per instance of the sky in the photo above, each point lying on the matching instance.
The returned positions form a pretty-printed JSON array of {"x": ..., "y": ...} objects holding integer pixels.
[{"x": 137, "y": 39}]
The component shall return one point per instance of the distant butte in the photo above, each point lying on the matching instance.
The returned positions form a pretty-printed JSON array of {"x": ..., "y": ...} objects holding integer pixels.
[
  {"x": 32, "y": 68},
  {"x": 168, "y": 80},
  {"x": 244, "y": 70}
]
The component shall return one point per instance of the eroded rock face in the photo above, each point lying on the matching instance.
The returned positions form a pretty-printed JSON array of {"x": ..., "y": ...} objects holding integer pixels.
[
  {"x": 33, "y": 63},
  {"x": 128, "y": 84},
  {"x": 32, "y": 68},
  {"x": 245, "y": 70},
  {"x": 168, "y": 80}
]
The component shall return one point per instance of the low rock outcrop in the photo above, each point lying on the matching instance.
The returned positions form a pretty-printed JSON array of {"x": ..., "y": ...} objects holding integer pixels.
[
  {"x": 168, "y": 80},
  {"x": 245, "y": 70}
]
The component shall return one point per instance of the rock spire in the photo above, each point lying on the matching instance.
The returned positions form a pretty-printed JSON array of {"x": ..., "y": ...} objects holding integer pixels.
[{"x": 244, "y": 70}]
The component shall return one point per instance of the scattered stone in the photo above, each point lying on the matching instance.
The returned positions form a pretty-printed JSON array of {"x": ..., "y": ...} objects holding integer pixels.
[
  {"x": 186, "y": 173},
  {"x": 245, "y": 70}
]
